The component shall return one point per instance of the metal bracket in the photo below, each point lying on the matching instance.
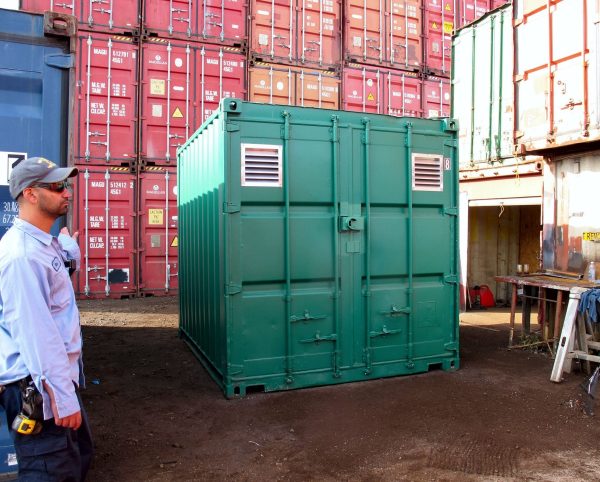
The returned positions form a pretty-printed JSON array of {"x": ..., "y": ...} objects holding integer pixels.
[
  {"x": 451, "y": 211},
  {"x": 306, "y": 317},
  {"x": 451, "y": 346},
  {"x": 229, "y": 127},
  {"x": 451, "y": 279},
  {"x": 231, "y": 208},
  {"x": 394, "y": 310},
  {"x": 233, "y": 369},
  {"x": 318, "y": 338},
  {"x": 233, "y": 289},
  {"x": 384, "y": 332}
]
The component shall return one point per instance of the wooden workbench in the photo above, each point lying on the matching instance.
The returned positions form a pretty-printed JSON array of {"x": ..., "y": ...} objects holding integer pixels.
[{"x": 544, "y": 283}]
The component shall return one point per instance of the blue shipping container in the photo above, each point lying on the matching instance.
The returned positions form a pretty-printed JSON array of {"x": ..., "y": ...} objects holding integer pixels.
[{"x": 36, "y": 76}]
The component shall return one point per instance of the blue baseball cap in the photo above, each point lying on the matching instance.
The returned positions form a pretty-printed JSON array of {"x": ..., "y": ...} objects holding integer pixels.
[{"x": 37, "y": 169}]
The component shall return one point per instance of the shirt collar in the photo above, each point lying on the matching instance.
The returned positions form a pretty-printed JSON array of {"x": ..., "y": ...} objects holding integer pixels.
[{"x": 34, "y": 232}]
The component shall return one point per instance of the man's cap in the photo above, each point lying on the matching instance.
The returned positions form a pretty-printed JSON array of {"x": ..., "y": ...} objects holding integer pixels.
[{"x": 34, "y": 170}]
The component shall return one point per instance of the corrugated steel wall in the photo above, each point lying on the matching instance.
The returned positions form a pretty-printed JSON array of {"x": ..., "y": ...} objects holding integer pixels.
[{"x": 149, "y": 72}]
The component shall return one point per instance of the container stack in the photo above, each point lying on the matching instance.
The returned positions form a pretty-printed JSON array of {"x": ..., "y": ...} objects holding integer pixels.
[{"x": 150, "y": 72}]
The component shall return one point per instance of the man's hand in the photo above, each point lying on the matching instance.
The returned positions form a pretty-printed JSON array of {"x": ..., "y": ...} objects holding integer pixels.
[{"x": 70, "y": 421}]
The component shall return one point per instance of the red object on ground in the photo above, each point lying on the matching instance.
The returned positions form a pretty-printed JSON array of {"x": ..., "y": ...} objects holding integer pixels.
[{"x": 486, "y": 297}]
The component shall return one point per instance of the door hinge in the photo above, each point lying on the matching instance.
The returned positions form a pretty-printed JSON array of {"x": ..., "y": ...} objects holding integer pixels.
[
  {"x": 231, "y": 208},
  {"x": 384, "y": 332},
  {"x": 451, "y": 211},
  {"x": 451, "y": 279},
  {"x": 451, "y": 346},
  {"x": 233, "y": 289}
]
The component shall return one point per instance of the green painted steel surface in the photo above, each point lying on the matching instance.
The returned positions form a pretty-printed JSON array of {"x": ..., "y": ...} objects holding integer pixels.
[{"x": 340, "y": 271}]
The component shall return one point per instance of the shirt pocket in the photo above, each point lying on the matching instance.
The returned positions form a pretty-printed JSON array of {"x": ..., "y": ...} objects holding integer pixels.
[{"x": 61, "y": 292}]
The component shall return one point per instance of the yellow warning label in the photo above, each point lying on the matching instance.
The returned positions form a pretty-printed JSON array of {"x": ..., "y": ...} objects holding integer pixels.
[
  {"x": 371, "y": 97},
  {"x": 177, "y": 113},
  {"x": 157, "y": 86},
  {"x": 155, "y": 216},
  {"x": 175, "y": 242},
  {"x": 434, "y": 26},
  {"x": 448, "y": 27},
  {"x": 448, "y": 7},
  {"x": 591, "y": 236}
]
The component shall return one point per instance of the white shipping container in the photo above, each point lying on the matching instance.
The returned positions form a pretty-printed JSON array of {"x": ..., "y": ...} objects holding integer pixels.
[
  {"x": 483, "y": 98},
  {"x": 556, "y": 75}
]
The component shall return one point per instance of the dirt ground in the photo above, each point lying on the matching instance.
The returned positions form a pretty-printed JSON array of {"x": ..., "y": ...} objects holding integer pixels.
[{"x": 157, "y": 415}]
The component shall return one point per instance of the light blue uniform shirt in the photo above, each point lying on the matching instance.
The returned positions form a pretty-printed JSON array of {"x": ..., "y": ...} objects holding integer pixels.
[{"x": 40, "y": 333}]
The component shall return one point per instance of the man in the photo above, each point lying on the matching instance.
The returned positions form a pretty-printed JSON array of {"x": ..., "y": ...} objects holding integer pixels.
[{"x": 40, "y": 335}]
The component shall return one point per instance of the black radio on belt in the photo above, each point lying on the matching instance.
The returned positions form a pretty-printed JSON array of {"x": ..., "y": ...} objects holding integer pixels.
[{"x": 71, "y": 265}]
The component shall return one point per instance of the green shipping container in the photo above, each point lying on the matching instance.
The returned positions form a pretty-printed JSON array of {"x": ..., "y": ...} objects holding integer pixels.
[{"x": 317, "y": 246}]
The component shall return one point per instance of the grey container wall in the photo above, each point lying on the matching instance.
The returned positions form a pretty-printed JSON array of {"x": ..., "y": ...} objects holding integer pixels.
[{"x": 318, "y": 247}]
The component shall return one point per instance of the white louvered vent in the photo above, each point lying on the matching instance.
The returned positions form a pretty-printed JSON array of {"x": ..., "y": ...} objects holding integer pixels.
[
  {"x": 427, "y": 172},
  {"x": 261, "y": 165}
]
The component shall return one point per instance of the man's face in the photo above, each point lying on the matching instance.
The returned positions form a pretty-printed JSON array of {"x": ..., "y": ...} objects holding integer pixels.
[{"x": 52, "y": 200}]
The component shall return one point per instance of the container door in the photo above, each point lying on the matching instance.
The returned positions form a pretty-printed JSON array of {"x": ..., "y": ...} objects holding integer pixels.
[
  {"x": 273, "y": 30},
  {"x": 403, "y": 94},
  {"x": 107, "y": 100},
  {"x": 404, "y": 34},
  {"x": 365, "y": 30},
  {"x": 168, "y": 99},
  {"x": 399, "y": 270},
  {"x": 362, "y": 90},
  {"x": 158, "y": 240},
  {"x": 319, "y": 38},
  {"x": 223, "y": 20},
  {"x": 104, "y": 219}
]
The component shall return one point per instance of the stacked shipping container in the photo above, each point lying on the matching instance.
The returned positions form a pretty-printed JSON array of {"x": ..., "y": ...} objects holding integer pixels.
[{"x": 150, "y": 72}]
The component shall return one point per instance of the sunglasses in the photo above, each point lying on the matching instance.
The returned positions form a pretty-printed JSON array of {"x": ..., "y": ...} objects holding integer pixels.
[{"x": 53, "y": 186}]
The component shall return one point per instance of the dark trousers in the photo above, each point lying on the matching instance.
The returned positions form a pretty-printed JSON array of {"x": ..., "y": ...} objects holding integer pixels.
[{"x": 56, "y": 453}]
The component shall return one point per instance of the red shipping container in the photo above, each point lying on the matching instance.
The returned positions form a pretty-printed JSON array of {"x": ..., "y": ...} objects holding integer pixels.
[
  {"x": 436, "y": 97},
  {"x": 469, "y": 10},
  {"x": 104, "y": 217},
  {"x": 319, "y": 32},
  {"x": 167, "y": 114},
  {"x": 273, "y": 30},
  {"x": 112, "y": 16},
  {"x": 106, "y": 69},
  {"x": 381, "y": 91},
  {"x": 223, "y": 21},
  {"x": 221, "y": 72},
  {"x": 217, "y": 21},
  {"x": 365, "y": 31},
  {"x": 439, "y": 26},
  {"x": 171, "y": 18},
  {"x": 158, "y": 242},
  {"x": 402, "y": 94},
  {"x": 403, "y": 33},
  {"x": 362, "y": 90}
]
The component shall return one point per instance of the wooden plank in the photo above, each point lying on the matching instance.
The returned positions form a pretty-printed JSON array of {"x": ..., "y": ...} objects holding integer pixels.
[{"x": 567, "y": 337}]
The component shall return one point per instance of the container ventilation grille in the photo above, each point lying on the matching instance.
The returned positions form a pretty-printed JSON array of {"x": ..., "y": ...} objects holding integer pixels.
[
  {"x": 427, "y": 172},
  {"x": 261, "y": 165}
]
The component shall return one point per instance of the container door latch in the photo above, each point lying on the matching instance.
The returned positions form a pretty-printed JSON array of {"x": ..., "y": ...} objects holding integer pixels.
[{"x": 349, "y": 223}]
